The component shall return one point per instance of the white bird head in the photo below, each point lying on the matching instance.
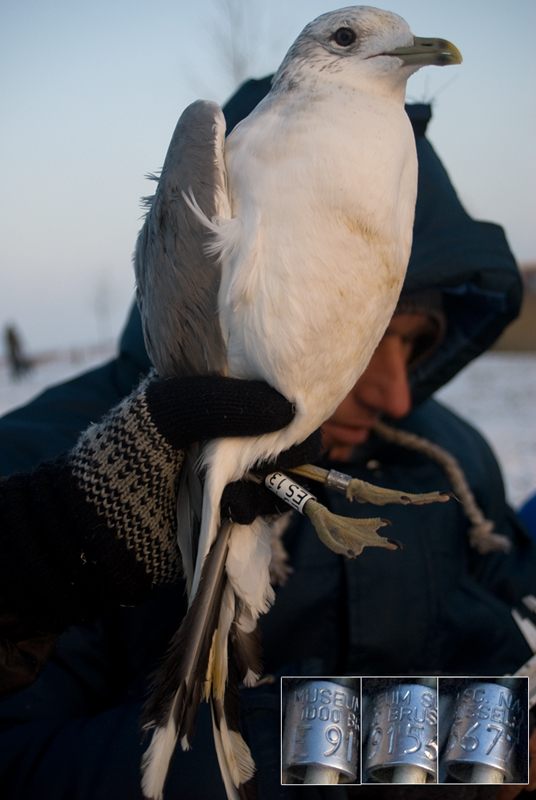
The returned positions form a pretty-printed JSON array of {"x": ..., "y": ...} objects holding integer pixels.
[{"x": 360, "y": 46}]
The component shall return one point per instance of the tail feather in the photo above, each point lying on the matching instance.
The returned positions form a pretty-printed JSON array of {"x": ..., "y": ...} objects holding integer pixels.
[
  {"x": 235, "y": 757},
  {"x": 179, "y": 684},
  {"x": 233, "y": 590},
  {"x": 218, "y": 662},
  {"x": 156, "y": 759},
  {"x": 247, "y": 651},
  {"x": 235, "y": 753},
  {"x": 230, "y": 788},
  {"x": 189, "y": 505}
]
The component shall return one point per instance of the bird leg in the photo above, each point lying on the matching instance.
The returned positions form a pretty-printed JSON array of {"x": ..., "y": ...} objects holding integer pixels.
[
  {"x": 364, "y": 492},
  {"x": 343, "y": 535}
]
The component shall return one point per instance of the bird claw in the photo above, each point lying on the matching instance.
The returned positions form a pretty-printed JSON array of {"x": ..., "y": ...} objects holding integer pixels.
[
  {"x": 344, "y": 535},
  {"x": 365, "y": 492}
]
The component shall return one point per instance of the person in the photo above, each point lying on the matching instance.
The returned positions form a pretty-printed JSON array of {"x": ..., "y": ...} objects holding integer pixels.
[
  {"x": 15, "y": 352},
  {"x": 437, "y": 606}
]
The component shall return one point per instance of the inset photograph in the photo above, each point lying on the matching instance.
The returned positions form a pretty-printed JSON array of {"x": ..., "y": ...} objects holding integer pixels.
[
  {"x": 320, "y": 730},
  {"x": 399, "y": 718},
  {"x": 484, "y": 730}
]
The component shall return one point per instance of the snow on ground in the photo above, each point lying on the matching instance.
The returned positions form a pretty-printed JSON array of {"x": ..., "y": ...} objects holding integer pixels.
[{"x": 496, "y": 394}]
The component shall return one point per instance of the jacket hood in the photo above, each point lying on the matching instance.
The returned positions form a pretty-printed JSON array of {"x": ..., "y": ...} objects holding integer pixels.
[{"x": 467, "y": 260}]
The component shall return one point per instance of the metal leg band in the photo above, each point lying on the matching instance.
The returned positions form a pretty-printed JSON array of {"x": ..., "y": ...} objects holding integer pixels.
[
  {"x": 403, "y": 735},
  {"x": 321, "y": 728},
  {"x": 485, "y": 731},
  {"x": 338, "y": 481}
]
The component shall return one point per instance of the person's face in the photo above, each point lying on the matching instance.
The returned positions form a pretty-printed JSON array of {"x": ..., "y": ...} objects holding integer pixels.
[{"x": 383, "y": 388}]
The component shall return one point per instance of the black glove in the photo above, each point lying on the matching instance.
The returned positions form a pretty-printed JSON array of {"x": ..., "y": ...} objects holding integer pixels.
[
  {"x": 97, "y": 526},
  {"x": 243, "y": 501}
]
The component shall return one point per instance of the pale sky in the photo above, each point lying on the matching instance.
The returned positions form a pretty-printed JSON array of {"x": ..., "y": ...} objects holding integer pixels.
[{"x": 90, "y": 93}]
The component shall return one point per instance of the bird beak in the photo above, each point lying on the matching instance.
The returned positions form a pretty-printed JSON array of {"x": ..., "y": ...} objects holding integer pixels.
[{"x": 428, "y": 51}]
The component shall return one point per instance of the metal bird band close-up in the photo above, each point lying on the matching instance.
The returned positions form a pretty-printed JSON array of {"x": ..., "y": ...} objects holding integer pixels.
[
  {"x": 402, "y": 746},
  {"x": 321, "y": 732},
  {"x": 485, "y": 732}
]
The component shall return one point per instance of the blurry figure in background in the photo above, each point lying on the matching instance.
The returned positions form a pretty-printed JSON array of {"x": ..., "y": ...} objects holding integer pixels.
[
  {"x": 440, "y": 605},
  {"x": 528, "y": 514},
  {"x": 18, "y": 362}
]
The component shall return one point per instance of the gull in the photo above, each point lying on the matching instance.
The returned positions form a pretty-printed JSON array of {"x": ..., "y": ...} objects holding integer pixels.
[{"x": 277, "y": 254}]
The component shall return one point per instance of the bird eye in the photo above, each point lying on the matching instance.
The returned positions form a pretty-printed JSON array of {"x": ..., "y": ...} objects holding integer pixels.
[{"x": 344, "y": 37}]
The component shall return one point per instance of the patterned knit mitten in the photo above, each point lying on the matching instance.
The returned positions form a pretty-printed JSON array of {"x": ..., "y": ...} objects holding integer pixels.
[{"x": 97, "y": 526}]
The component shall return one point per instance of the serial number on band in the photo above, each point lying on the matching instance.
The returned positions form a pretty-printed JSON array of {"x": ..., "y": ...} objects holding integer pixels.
[{"x": 292, "y": 493}]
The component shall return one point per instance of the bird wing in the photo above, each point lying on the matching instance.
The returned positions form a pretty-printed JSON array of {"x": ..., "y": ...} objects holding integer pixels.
[{"x": 177, "y": 279}]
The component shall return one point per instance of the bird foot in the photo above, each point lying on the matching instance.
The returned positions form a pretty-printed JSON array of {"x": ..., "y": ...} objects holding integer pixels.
[
  {"x": 365, "y": 492},
  {"x": 347, "y": 536}
]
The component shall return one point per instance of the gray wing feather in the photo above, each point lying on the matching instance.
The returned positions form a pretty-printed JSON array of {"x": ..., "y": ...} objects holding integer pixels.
[{"x": 177, "y": 282}]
